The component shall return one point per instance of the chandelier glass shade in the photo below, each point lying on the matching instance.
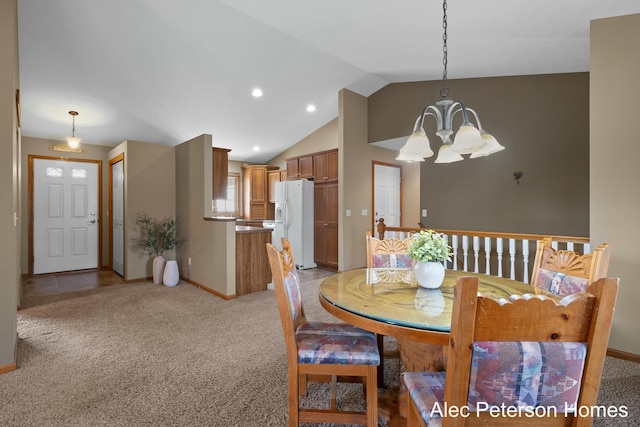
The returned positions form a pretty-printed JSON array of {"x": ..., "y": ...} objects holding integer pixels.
[
  {"x": 468, "y": 140},
  {"x": 73, "y": 140}
]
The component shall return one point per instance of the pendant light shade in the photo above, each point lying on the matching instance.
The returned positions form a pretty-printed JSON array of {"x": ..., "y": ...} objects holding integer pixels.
[{"x": 73, "y": 140}]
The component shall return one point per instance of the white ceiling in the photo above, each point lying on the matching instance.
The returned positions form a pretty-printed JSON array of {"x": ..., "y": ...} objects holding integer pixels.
[{"x": 166, "y": 71}]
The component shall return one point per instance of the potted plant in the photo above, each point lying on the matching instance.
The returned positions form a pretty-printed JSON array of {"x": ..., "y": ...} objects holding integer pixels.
[
  {"x": 156, "y": 237},
  {"x": 430, "y": 250}
]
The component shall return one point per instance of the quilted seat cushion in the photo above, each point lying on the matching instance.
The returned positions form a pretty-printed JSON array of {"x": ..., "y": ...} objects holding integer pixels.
[
  {"x": 336, "y": 343},
  {"x": 559, "y": 283},
  {"x": 508, "y": 374},
  {"x": 426, "y": 389}
]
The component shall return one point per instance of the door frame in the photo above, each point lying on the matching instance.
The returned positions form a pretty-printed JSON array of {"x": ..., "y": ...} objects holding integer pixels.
[
  {"x": 373, "y": 191},
  {"x": 31, "y": 158},
  {"x": 116, "y": 159}
]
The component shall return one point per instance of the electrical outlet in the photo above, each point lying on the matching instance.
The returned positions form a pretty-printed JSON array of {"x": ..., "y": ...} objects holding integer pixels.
[
  {"x": 189, "y": 260},
  {"x": 424, "y": 212}
]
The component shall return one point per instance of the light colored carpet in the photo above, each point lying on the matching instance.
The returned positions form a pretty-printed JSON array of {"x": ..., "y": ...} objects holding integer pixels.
[{"x": 145, "y": 354}]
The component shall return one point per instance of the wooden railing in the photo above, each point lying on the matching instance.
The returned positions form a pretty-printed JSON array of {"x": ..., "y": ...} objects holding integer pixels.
[{"x": 499, "y": 254}]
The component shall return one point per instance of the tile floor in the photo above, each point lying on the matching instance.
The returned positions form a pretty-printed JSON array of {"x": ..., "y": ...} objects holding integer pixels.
[{"x": 58, "y": 283}]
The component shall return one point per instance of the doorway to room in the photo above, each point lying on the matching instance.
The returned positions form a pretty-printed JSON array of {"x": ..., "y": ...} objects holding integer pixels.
[{"x": 387, "y": 191}]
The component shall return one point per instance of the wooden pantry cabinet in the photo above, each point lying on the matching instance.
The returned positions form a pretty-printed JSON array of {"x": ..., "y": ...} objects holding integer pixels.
[
  {"x": 325, "y": 233},
  {"x": 255, "y": 200},
  {"x": 325, "y": 166}
]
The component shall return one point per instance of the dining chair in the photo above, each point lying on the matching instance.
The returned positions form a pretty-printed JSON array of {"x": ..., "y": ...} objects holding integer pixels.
[
  {"x": 317, "y": 350},
  {"x": 528, "y": 360},
  {"x": 387, "y": 253},
  {"x": 563, "y": 272}
]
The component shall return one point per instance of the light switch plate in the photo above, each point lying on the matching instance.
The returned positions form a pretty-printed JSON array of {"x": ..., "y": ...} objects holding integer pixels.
[
  {"x": 348, "y": 213},
  {"x": 365, "y": 212}
]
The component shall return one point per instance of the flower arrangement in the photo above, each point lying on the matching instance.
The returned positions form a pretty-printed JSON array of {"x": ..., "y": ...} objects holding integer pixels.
[
  {"x": 157, "y": 236},
  {"x": 429, "y": 246}
]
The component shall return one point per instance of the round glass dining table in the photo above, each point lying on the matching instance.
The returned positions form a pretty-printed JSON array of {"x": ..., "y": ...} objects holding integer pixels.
[{"x": 390, "y": 302}]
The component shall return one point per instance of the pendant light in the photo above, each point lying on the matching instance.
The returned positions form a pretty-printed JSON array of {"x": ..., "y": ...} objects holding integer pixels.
[
  {"x": 468, "y": 140},
  {"x": 73, "y": 140}
]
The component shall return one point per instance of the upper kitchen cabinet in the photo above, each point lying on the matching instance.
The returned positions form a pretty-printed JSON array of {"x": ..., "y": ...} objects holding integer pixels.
[
  {"x": 220, "y": 172},
  {"x": 255, "y": 199},
  {"x": 325, "y": 166},
  {"x": 274, "y": 176},
  {"x": 300, "y": 167}
]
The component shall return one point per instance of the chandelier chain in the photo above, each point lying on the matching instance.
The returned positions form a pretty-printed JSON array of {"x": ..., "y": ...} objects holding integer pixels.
[{"x": 444, "y": 92}]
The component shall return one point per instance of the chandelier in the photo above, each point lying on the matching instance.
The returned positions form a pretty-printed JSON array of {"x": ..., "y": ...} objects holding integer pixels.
[
  {"x": 468, "y": 140},
  {"x": 73, "y": 140}
]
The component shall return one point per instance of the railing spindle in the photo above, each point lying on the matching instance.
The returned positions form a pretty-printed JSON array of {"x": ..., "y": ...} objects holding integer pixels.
[{"x": 487, "y": 256}]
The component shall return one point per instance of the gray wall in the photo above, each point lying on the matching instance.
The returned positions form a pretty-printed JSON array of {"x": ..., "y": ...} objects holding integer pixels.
[{"x": 543, "y": 121}]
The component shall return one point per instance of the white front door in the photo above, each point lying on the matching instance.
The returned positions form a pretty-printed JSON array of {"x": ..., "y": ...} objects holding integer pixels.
[
  {"x": 65, "y": 215},
  {"x": 386, "y": 195},
  {"x": 117, "y": 188}
]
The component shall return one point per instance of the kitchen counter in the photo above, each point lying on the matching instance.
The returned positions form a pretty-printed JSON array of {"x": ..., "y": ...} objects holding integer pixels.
[{"x": 251, "y": 229}]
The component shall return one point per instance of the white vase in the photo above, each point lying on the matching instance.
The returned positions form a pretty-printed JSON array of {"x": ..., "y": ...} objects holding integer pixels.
[
  {"x": 158, "y": 268},
  {"x": 429, "y": 274},
  {"x": 171, "y": 275}
]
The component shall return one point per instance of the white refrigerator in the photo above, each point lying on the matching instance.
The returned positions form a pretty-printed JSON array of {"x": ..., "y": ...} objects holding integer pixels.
[{"x": 294, "y": 219}]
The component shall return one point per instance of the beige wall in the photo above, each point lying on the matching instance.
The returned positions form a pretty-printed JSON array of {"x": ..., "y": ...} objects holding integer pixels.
[
  {"x": 325, "y": 138},
  {"x": 9, "y": 184},
  {"x": 210, "y": 244},
  {"x": 615, "y": 175},
  {"x": 150, "y": 187},
  {"x": 355, "y": 159},
  {"x": 39, "y": 147},
  {"x": 543, "y": 123}
]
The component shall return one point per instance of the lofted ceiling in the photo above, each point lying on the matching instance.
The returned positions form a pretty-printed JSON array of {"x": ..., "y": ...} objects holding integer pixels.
[{"x": 166, "y": 71}]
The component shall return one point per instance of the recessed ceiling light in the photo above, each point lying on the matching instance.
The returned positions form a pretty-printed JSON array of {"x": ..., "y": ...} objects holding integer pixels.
[
  {"x": 256, "y": 148},
  {"x": 257, "y": 93},
  {"x": 311, "y": 108}
]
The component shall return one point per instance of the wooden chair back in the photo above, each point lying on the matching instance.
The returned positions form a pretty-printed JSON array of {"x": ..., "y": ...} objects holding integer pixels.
[
  {"x": 287, "y": 288},
  {"x": 579, "y": 318},
  {"x": 562, "y": 272},
  {"x": 387, "y": 252}
]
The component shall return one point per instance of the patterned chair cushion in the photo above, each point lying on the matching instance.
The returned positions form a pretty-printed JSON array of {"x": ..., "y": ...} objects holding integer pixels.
[
  {"x": 526, "y": 374},
  {"x": 559, "y": 283},
  {"x": 426, "y": 389},
  {"x": 336, "y": 343},
  {"x": 508, "y": 374},
  {"x": 292, "y": 286},
  {"x": 391, "y": 261}
]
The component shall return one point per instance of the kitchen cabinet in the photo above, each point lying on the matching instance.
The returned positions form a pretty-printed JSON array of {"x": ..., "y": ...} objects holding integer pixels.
[
  {"x": 255, "y": 200},
  {"x": 274, "y": 176},
  {"x": 326, "y": 225},
  {"x": 300, "y": 167},
  {"x": 325, "y": 166},
  {"x": 220, "y": 173}
]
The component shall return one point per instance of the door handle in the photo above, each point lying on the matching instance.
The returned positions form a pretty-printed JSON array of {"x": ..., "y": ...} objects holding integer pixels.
[{"x": 93, "y": 221}]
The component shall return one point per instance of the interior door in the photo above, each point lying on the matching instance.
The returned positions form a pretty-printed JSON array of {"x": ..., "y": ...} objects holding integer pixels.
[
  {"x": 386, "y": 195},
  {"x": 65, "y": 215},
  {"x": 117, "y": 216}
]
